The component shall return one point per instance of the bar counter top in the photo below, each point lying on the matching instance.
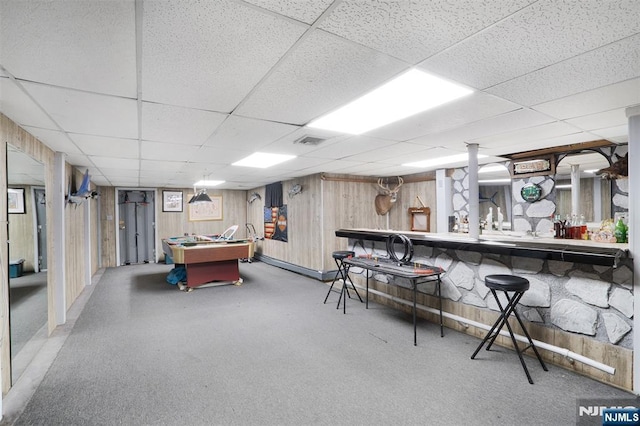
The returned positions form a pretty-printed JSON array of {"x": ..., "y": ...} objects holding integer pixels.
[{"x": 507, "y": 243}]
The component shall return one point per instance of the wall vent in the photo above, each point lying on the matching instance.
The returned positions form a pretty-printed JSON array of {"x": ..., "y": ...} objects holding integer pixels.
[{"x": 309, "y": 140}]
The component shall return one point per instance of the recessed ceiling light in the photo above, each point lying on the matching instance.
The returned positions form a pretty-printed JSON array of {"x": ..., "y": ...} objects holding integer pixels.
[
  {"x": 262, "y": 160},
  {"x": 412, "y": 92},
  {"x": 441, "y": 161},
  {"x": 208, "y": 183}
]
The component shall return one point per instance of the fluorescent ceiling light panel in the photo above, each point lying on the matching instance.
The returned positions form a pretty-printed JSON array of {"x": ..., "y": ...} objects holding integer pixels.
[
  {"x": 262, "y": 160},
  {"x": 208, "y": 183},
  {"x": 433, "y": 162},
  {"x": 567, "y": 186},
  {"x": 412, "y": 92}
]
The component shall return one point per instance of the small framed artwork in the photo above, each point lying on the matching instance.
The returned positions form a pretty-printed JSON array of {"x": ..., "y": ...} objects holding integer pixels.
[
  {"x": 420, "y": 218},
  {"x": 15, "y": 200},
  {"x": 172, "y": 201}
]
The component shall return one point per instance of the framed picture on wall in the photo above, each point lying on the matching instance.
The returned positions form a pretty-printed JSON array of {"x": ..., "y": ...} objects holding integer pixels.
[
  {"x": 172, "y": 201},
  {"x": 207, "y": 210},
  {"x": 15, "y": 200}
]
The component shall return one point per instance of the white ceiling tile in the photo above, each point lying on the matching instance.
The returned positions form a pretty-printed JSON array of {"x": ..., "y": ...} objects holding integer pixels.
[
  {"x": 334, "y": 166},
  {"x": 610, "y": 64},
  {"x": 541, "y": 143},
  {"x": 167, "y": 166},
  {"x": 615, "y": 117},
  {"x": 496, "y": 125},
  {"x": 612, "y": 132},
  {"x": 513, "y": 139},
  {"x": 474, "y": 107},
  {"x": 101, "y": 181},
  {"x": 82, "y": 112},
  {"x": 301, "y": 163},
  {"x": 166, "y": 151},
  {"x": 115, "y": 163},
  {"x": 79, "y": 160},
  {"x": 209, "y": 55},
  {"x": 106, "y": 147},
  {"x": 348, "y": 147},
  {"x": 217, "y": 156},
  {"x": 120, "y": 173},
  {"x": 220, "y": 80},
  {"x": 301, "y": 89},
  {"x": 304, "y": 11},
  {"x": 288, "y": 144},
  {"x": 94, "y": 39},
  {"x": 167, "y": 123},
  {"x": 125, "y": 183},
  {"x": 545, "y": 33},
  {"x": 606, "y": 98},
  {"x": 414, "y": 30},
  {"x": 389, "y": 153},
  {"x": 248, "y": 134},
  {"x": 54, "y": 139},
  {"x": 20, "y": 108}
]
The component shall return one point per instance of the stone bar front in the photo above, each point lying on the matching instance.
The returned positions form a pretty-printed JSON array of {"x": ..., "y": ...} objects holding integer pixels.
[{"x": 580, "y": 299}]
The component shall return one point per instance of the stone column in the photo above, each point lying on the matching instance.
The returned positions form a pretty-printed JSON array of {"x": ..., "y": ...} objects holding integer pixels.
[
  {"x": 444, "y": 200},
  {"x": 633, "y": 114},
  {"x": 474, "y": 192}
]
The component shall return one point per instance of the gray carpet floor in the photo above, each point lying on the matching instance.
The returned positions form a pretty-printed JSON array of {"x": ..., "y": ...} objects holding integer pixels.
[
  {"x": 28, "y": 306},
  {"x": 269, "y": 352}
]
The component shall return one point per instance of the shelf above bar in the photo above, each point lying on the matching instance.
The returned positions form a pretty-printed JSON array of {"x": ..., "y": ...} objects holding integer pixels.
[{"x": 577, "y": 251}]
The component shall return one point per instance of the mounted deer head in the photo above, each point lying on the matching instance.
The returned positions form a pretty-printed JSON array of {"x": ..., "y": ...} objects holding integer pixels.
[{"x": 385, "y": 200}]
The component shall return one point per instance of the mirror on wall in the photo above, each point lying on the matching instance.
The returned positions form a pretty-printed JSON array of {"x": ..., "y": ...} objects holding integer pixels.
[
  {"x": 494, "y": 183},
  {"x": 27, "y": 256},
  {"x": 594, "y": 194}
]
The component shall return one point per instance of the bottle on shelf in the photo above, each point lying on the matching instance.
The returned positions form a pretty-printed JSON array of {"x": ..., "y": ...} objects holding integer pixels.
[
  {"x": 620, "y": 231},
  {"x": 568, "y": 229},
  {"x": 557, "y": 227},
  {"x": 583, "y": 228}
]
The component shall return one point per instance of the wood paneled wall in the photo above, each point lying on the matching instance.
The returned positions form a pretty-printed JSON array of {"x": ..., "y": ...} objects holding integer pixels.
[
  {"x": 11, "y": 133},
  {"x": 330, "y": 203}
]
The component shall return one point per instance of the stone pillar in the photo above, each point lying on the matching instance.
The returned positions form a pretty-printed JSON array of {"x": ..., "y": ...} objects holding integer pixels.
[
  {"x": 633, "y": 114},
  {"x": 474, "y": 192},
  {"x": 575, "y": 190}
]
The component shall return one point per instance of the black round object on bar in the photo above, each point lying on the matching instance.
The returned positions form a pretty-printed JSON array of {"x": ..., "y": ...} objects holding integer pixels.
[{"x": 408, "y": 248}]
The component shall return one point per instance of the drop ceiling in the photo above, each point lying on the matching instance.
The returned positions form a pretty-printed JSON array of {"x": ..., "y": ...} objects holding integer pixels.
[{"x": 163, "y": 93}]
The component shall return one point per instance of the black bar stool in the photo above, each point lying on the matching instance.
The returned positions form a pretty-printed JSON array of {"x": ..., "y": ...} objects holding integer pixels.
[
  {"x": 517, "y": 286},
  {"x": 343, "y": 272}
]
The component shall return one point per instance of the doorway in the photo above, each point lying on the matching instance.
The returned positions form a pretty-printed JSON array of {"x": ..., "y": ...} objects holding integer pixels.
[{"x": 136, "y": 228}]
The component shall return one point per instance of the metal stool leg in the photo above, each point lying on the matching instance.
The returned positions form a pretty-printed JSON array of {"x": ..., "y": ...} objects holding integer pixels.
[
  {"x": 331, "y": 288},
  {"x": 502, "y": 320}
]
